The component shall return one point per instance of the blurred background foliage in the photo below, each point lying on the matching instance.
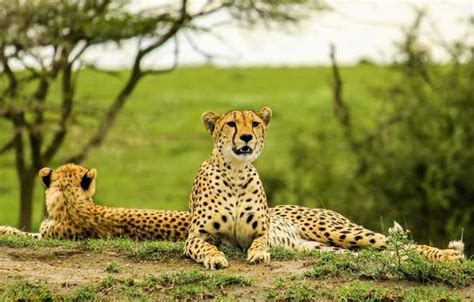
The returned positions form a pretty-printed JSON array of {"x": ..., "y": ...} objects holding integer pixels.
[
  {"x": 410, "y": 158},
  {"x": 391, "y": 142}
]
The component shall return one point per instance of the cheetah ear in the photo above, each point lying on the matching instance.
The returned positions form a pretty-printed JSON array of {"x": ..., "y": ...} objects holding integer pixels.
[
  {"x": 45, "y": 175},
  {"x": 88, "y": 179},
  {"x": 265, "y": 114},
  {"x": 209, "y": 120}
]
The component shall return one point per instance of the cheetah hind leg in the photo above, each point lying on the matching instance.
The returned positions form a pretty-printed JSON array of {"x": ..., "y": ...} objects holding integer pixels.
[
  {"x": 308, "y": 245},
  {"x": 454, "y": 252},
  {"x": 285, "y": 234},
  {"x": 8, "y": 230}
]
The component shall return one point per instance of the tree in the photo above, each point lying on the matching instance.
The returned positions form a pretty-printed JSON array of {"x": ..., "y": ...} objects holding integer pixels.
[{"x": 48, "y": 38}]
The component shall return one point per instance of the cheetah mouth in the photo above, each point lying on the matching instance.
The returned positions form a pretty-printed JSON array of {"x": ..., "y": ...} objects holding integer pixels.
[{"x": 245, "y": 150}]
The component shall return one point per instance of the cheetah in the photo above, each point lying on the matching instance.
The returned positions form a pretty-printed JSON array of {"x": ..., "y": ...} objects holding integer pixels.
[
  {"x": 72, "y": 214},
  {"x": 228, "y": 201},
  {"x": 228, "y": 204}
]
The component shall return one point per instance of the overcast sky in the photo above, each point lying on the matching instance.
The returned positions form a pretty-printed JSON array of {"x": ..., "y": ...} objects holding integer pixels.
[{"x": 357, "y": 28}]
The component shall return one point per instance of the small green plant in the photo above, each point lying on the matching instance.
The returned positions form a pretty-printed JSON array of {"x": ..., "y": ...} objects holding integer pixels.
[
  {"x": 131, "y": 288},
  {"x": 290, "y": 289},
  {"x": 85, "y": 293},
  {"x": 189, "y": 283},
  {"x": 400, "y": 261},
  {"x": 282, "y": 254},
  {"x": 180, "y": 285},
  {"x": 113, "y": 268},
  {"x": 370, "y": 291},
  {"x": 26, "y": 291}
]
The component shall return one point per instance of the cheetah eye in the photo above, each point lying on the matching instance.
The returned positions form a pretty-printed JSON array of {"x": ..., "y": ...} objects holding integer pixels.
[
  {"x": 231, "y": 124},
  {"x": 255, "y": 124}
]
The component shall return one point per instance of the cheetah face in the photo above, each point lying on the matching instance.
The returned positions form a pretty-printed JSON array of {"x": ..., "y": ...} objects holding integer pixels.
[
  {"x": 68, "y": 182},
  {"x": 238, "y": 135}
]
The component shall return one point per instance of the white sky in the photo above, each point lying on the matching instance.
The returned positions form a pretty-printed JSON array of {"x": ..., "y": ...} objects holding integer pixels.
[{"x": 357, "y": 28}]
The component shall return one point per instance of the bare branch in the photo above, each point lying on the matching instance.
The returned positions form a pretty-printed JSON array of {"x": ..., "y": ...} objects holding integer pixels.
[
  {"x": 67, "y": 91},
  {"x": 79, "y": 51},
  {"x": 8, "y": 146},
  {"x": 112, "y": 73},
  {"x": 205, "y": 11},
  {"x": 19, "y": 124},
  {"x": 35, "y": 130},
  {"x": 13, "y": 82},
  {"x": 184, "y": 17},
  {"x": 341, "y": 111},
  {"x": 197, "y": 49},
  {"x": 134, "y": 77},
  {"x": 173, "y": 66}
]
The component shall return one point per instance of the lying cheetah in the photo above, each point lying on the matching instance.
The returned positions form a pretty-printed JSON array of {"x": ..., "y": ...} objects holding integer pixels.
[{"x": 72, "y": 214}]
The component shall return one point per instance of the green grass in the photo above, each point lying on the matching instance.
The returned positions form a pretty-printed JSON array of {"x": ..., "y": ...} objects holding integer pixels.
[
  {"x": 151, "y": 155},
  {"x": 368, "y": 275},
  {"x": 381, "y": 266},
  {"x": 294, "y": 290},
  {"x": 363, "y": 265},
  {"x": 140, "y": 250},
  {"x": 113, "y": 268},
  {"x": 25, "y": 291},
  {"x": 371, "y": 291},
  {"x": 180, "y": 285},
  {"x": 192, "y": 285}
]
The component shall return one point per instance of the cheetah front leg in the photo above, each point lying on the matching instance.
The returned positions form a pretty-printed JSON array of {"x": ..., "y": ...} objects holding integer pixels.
[
  {"x": 259, "y": 250},
  {"x": 197, "y": 248}
]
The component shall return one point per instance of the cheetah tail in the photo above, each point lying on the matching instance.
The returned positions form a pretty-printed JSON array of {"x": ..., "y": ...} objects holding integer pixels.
[
  {"x": 457, "y": 245},
  {"x": 8, "y": 230}
]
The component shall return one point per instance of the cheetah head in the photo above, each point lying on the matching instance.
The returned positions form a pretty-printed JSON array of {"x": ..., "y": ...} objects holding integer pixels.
[
  {"x": 238, "y": 135},
  {"x": 68, "y": 183}
]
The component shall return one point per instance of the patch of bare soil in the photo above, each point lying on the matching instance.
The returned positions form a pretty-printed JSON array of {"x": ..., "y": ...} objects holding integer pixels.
[{"x": 64, "y": 271}]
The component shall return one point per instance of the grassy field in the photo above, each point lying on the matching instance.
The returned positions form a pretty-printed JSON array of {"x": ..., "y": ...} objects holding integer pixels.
[
  {"x": 152, "y": 154},
  {"x": 120, "y": 269}
]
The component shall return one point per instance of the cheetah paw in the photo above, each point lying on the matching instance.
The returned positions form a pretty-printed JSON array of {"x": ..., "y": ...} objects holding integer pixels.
[
  {"x": 256, "y": 256},
  {"x": 452, "y": 255},
  {"x": 215, "y": 261}
]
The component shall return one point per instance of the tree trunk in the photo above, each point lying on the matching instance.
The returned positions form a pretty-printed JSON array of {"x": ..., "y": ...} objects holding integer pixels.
[{"x": 27, "y": 182}]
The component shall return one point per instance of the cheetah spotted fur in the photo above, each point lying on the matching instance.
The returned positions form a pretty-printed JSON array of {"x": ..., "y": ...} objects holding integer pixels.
[{"x": 72, "y": 214}]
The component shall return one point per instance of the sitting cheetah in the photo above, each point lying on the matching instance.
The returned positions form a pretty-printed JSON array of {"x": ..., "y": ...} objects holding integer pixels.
[
  {"x": 72, "y": 213},
  {"x": 228, "y": 202}
]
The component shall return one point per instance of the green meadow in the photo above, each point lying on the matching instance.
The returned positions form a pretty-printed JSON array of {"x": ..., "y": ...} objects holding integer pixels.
[{"x": 150, "y": 157}]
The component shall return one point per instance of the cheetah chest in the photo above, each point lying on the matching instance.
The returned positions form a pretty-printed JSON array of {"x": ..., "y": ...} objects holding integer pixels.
[{"x": 237, "y": 210}]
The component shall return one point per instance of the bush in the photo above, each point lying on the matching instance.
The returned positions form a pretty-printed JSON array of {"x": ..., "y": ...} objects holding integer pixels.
[{"x": 416, "y": 163}]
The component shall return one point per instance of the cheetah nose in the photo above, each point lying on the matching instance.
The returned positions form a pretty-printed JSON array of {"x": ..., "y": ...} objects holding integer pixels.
[{"x": 246, "y": 137}]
